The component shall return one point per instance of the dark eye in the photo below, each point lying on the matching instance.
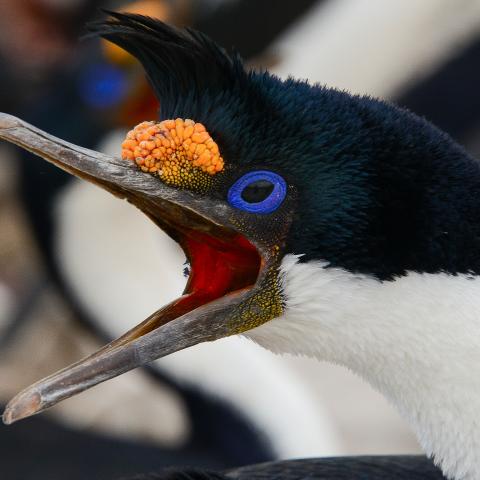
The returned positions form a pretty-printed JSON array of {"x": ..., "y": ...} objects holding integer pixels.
[{"x": 258, "y": 192}]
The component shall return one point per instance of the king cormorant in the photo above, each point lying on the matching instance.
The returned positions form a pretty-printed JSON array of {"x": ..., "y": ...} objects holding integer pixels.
[{"x": 315, "y": 222}]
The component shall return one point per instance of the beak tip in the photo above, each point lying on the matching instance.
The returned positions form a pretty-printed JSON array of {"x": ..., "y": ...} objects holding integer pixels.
[
  {"x": 8, "y": 121},
  {"x": 23, "y": 405}
]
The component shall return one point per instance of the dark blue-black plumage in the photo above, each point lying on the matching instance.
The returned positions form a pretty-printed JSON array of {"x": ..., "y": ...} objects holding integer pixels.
[
  {"x": 401, "y": 467},
  {"x": 380, "y": 190}
]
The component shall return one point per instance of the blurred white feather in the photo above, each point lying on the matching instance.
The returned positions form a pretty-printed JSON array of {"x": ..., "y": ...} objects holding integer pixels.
[
  {"x": 6, "y": 306},
  {"x": 375, "y": 47}
]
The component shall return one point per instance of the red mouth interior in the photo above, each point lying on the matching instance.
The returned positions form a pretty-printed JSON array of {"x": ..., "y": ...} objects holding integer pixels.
[{"x": 218, "y": 267}]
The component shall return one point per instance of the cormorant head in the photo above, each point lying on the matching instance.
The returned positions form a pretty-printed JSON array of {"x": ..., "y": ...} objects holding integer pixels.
[{"x": 242, "y": 169}]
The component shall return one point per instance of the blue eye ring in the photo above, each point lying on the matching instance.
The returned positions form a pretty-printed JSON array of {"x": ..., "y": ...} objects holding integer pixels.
[{"x": 270, "y": 203}]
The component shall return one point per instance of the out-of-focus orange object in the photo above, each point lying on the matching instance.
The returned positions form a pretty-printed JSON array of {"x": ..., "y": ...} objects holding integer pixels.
[
  {"x": 151, "y": 8},
  {"x": 140, "y": 103}
]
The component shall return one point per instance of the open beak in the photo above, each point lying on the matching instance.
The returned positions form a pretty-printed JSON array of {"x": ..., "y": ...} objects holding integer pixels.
[{"x": 226, "y": 269}]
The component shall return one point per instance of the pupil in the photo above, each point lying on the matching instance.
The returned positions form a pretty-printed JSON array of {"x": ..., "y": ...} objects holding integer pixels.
[{"x": 257, "y": 191}]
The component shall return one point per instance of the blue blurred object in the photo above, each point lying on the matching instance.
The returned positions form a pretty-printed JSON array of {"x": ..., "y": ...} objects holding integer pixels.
[{"x": 103, "y": 86}]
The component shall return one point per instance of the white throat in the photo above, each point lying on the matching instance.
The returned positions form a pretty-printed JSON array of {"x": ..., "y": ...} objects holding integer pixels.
[{"x": 415, "y": 339}]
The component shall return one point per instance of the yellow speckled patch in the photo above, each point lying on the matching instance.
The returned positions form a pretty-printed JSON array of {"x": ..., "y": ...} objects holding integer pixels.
[
  {"x": 266, "y": 304},
  {"x": 181, "y": 152}
]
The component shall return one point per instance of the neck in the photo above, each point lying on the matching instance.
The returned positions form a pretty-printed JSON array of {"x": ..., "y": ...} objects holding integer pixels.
[{"x": 415, "y": 339}]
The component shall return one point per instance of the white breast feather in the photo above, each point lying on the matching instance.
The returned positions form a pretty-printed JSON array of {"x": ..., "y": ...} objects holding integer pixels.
[{"x": 415, "y": 339}]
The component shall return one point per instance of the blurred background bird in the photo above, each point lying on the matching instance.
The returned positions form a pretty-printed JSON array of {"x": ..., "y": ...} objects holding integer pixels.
[{"x": 84, "y": 103}]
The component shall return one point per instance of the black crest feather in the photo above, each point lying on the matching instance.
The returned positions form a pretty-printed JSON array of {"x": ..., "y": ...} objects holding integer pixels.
[{"x": 182, "y": 64}]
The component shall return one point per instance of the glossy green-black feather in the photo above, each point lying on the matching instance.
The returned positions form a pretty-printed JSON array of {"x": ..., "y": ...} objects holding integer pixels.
[{"x": 379, "y": 190}]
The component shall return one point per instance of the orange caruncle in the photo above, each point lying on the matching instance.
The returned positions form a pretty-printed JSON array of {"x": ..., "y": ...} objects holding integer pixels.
[{"x": 180, "y": 152}]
